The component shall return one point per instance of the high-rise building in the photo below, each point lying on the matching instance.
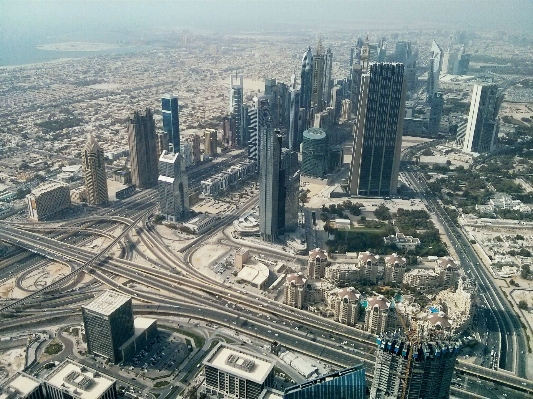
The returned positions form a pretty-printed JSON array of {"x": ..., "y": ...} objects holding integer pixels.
[
  {"x": 259, "y": 117},
  {"x": 435, "y": 65},
  {"x": 306, "y": 83},
  {"x": 315, "y": 153},
  {"x": 171, "y": 122},
  {"x": 317, "y": 92},
  {"x": 359, "y": 68},
  {"x": 162, "y": 142},
  {"x": 394, "y": 268},
  {"x": 108, "y": 322},
  {"x": 483, "y": 124},
  {"x": 142, "y": 141},
  {"x": 348, "y": 383},
  {"x": 295, "y": 290},
  {"x": 93, "y": 163},
  {"x": 47, "y": 199},
  {"x": 234, "y": 372},
  {"x": 236, "y": 109},
  {"x": 378, "y": 131},
  {"x": 172, "y": 187},
  {"x": 294, "y": 125},
  {"x": 316, "y": 263},
  {"x": 462, "y": 63},
  {"x": 436, "y": 106},
  {"x": 427, "y": 375},
  {"x": 269, "y": 178},
  {"x": 328, "y": 82},
  {"x": 346, "y": 305},
  {"x": 288, "y": 200},
  {"x": 210, "y": 142},
  {"x": 380, "y": 315}
]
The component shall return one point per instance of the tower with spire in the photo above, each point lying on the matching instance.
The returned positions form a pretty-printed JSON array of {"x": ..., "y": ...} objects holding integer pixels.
[
  {"x": 93, "y": 164},
  {"x": 306, "y": 81}
]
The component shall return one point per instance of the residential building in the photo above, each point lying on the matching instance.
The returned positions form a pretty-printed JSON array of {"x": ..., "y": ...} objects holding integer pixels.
[
  {"x": 93, "y": 162},
  {"x": 171, "y": 122},
  {"x": 235, "y": 372},
  {"x": 47, "y": 199},
  {"x": 343, "y": 274},
  {"x": 295, "y": 290},
  {"x": 72, "y": 380},
  {"x": 315, "y": 153},
  {"x": 394, "y": 268},
  {"x": 483, "y": 124},
  {"x": 173, "y": 187},
  {"x": 378, "y": 131},
  {"x": 108, "y": 322},
  {"x": 316, "y": 264},
  {"x": 368, "y": 266},
  {"x": 345, "y": 304},
  {"x": 142, "y": 141},
  {"x": 349, "y": 383},
  {"x": 448, "y": 272},
  {"x": 428, "y": 374},
  {"x": 380, "y": 315},
  {"x": 423, "y": 280}
]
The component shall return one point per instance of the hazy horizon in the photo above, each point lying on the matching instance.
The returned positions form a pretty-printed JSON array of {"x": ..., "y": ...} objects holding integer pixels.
[{"x": 26, "y": 24}]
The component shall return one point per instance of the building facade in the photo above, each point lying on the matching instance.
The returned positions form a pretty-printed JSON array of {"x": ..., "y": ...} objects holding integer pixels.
[
  {"x": 394, "y": 268},
  {"x": 237, "y": 111},
  {"x": 316, "y": 263},
  {"x": 315, "y": 153},
  {"x": 108, "y": 322},
  {"x": 171, "y": 122},
  {"x": 142, "y": 141},
  {"x": 378, "y": 131},
  {"x": 47, "y": 199},
  {"x": 483, "y": 125},
  {"x": 295, "y": 290},
  {"x": 429, "y": 374},
  {"x": 93, "y": 163},
  {"x": 380, "y": 315},
  {"x": 306, "y": 85},
  {"x": 210, "y": 143},
  {"x": 173, "y": 187},
  {"x": 345, "y": 304}
]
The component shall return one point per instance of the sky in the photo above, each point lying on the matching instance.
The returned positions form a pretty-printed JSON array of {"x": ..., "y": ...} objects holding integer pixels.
[{"x": 50, "y": 17}]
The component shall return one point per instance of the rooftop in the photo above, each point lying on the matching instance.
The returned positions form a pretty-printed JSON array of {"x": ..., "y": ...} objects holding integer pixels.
[
  {"x": 79, "y": 380},
  {"x": 108, "y": 302},
  {"x": 43, "y": 188},
  {"x": 240, "y": 363},
  {"x": 19, "y": 385}
]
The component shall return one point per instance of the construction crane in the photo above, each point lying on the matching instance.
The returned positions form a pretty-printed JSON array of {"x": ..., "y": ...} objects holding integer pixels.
[{"x": 413, "y": 339}]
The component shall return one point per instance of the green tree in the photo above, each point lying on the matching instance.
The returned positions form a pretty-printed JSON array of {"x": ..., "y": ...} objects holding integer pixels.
[
  {"x": 523, "y": 305},
  {"x": 382, "y": 212}
]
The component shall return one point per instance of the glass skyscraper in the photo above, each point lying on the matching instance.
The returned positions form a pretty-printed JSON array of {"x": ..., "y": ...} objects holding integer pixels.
[
  {"x": 171, "y": 122},
  {"x": 349, "y": 383},
  {"x": 378, "y": 131}
]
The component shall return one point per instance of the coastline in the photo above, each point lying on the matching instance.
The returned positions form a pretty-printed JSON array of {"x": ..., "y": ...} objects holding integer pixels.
[{"x": 33, "y": 64}]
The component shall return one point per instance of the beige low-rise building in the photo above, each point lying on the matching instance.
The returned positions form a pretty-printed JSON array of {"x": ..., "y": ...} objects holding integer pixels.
[
  {"x": 402, "y": 241},
  {"x": 422, "y": 279},
  {"x": 316, "y": 264},
  {"x": 395, "y": 267},
  {"x": 345, "y": 305},
  {"x": 447, "y": 270},
  {"x": 368, "y": 266},
  {"x": 380, "y": 315},
  {"x": 343, "y": 274}
]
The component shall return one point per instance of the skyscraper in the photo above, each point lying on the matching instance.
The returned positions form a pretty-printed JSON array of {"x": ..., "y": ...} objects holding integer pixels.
[
  {"x": 258, "y": 118},
  {"x": 269, "y": 174},
  {"x": 306, "y": 82},
  {"x": 436, "y": 104},
  {"x": 328, "y": 82},
  {"x": 93, "y": 164},
  {"x": 428, "y": 376},
  {"x": 294, "y": 126},
  {"x": 172, "y": 186},
  {"x": 348, "y": 383},
  {"x": 210, "y": 142},
  {"x": 378, "y": 131},
  {"x": 435, "y": 65},
  {"x": 315, "y": 152},
  {"x": 236, "y": 109},
  {"x": 142, "y": 141},
  {"x": 288, "y": 193},
  {"x": 317, "y": 92},
  {"x": 108, "y": 323},
  {"x": 171, "y": 121},
  {"x": 483, "y": 125},
  {"x": 359, "y": 68}
]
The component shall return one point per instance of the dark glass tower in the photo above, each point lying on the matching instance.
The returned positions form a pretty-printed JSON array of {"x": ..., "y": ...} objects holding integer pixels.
[
  {"x": 378, "y": 131},
  {"x": 171, "y": 122},
  {"x": 294, "y": 128},
  {"x": 237, "y": 111},
  {"x": 142, "y": 141},
  {"x": 306, "y": 82}
]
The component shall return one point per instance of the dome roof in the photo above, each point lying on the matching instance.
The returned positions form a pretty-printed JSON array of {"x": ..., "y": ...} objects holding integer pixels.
[
  {"x": 367, "y": 256},
  {"x": 318, "y": 253},
  {"x": 394, "y": 258},
  {"x": 440, "y": 320},
  {"x": 349, "y": 292},
  {"x": 380, "y": 301},
  {"x": 296, "y": 279}
]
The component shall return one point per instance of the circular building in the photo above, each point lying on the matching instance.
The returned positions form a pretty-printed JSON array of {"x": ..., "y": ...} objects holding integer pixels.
[{"x": 315, "y": 153}]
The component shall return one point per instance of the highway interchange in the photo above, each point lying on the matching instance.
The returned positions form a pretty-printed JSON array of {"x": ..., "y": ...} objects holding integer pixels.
[{"x": 175, "y": 287}]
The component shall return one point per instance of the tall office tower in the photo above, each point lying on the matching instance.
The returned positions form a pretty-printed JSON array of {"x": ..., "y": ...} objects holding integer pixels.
[
  {"x": 317, "y": 92},
  {"x": 210, "y": 142},
  {"x": 162, "y": 142},
  {"x": 108, "y": 323},
  {"x": 279, "y": 102},
  {"x": 436, "y": 104},
  {"x": 382, "y": 50},
  {"x": 483, "y": 125},
  {"x": 259, "y": 117},
  {"x": 171, "y": 122},
  {"x": 315, "y": 152},
  {"x": 236, "y": 109},
  {"x": 294, "y": 128},
  {"x": 348, "y": 383},
  {"x": 228, "y": 134},
  {"x": 93, "y": 163},
  {"x": 306, "y": 82},
  {"x": 142, "y": 141},
  {"x": 288, "y": 197},
  {"x": 269, "y": 174},
  {"x": 435, "y": 65},
  {"x": 328, "y": 82},
  {"x": 352, "y": 52},
  {"x": 427, "y": 375},
  {"x": 462, "y": 63},
  {"x": 173, "y": 186},
  {"x": 360, "y": 67},
  {"x": 378, "y": 131},
  {"x": 402, "y": 52}
]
